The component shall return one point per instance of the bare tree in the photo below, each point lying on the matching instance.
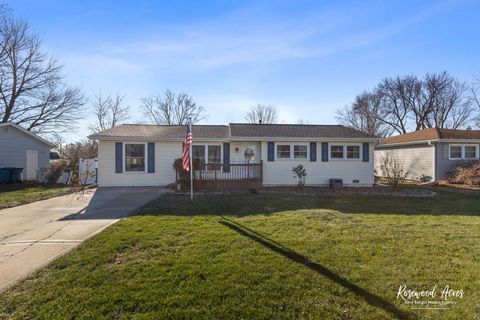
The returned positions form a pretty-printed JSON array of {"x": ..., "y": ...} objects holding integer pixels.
[
  {"x": 409, "y": 103},
  {"x": 109, "y": 112},
  {"x": 262, "y": 113},
  {"x": 172, "y": 109},
  {"x": 452, "y": 108},
  {"x": 302, "y": 121},
  {"x": 394, "y": 108},
  {"x": 32, "y": 91},
  {"x": 365, "y": 114},
  {"x": 475, "y": 90}
]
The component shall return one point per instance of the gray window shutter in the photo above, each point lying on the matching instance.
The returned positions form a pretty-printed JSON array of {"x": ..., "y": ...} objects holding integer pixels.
[
  {"x": 324, "y": 151},
  {"x": 151, "y": 157},
  {"x": 118, "y": 157},
  {"x": 366, "y": 152},
  {"x": 271, "y": 151},
  {"x": 313, "y": 151},
  {"x": 226, "y": 157}
]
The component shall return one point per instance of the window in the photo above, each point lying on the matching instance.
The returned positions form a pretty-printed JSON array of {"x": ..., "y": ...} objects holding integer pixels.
[
  {"x": 345, "y": 152},
  {"x": 206, "y": 154},
  {"x": 336, "y": 152},
  {"x": 214, "y": 154},
  {"x": 353, "y": 152},
  {"x": 470, "y": 152},
  {"x": 455, "y": 152},
  {"x": 135, "y": 157},
  {"x": 283, "y": 151},
  {"x": 462, "y": 151},
  {"x": 300, "y": 151},
  {"x": 214, "y": 157},
  {"x": 198, "y": 155}
]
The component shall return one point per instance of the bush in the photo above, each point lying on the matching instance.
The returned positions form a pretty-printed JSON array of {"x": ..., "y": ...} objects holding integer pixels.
[
  {"x": 182, "y": 175},
  {"x": 467, "y": 173},
  {"x": 300, "y": 174},
  {"x": 55, "y": 170},
  {"x": 393, "y": 169}
]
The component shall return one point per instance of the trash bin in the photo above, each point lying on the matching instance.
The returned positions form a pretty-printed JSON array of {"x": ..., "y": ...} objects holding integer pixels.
[
  {"x": 4, "y": 175},
  {"x": 16, "y": 175}
]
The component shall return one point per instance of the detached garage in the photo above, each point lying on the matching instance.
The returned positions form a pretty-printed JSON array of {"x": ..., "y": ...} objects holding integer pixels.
[{"x": 20, "y": 148}]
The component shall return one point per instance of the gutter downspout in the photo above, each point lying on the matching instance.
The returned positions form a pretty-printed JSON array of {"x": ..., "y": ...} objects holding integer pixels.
[{"x": 434, "y": 167}]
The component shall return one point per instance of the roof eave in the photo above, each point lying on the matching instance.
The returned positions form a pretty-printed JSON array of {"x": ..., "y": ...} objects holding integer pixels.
[{"x": 385, "y": 145}]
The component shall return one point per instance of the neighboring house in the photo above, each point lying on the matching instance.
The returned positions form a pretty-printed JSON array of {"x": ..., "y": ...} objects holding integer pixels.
[
  {"x": 22, "y": 149},
  {"x": 433, "y": 153},
  {"x": 143, "y": 155}
]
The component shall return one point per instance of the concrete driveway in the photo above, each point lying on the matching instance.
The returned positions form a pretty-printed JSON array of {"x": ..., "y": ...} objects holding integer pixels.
[{"x": 34, "y": 234}]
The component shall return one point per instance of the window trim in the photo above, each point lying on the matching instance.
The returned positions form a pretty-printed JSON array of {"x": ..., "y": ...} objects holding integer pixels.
[
  {"x": 125, "y": 157},
  {"x": 206, "y": 150},
  {"x": 345, "y": 157},
  {"x": 292, "y": 153},
  {"x": 462, "y": 151}
]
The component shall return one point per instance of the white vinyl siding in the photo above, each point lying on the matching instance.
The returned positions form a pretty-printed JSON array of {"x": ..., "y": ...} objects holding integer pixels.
[
  {"x": 278, "y": 172},
  {"x": 418, "y": 159},
  {"x": 165, "y": 154}
]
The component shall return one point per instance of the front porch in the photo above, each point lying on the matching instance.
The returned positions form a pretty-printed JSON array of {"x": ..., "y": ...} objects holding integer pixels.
[{"x": 219, "y": 177}]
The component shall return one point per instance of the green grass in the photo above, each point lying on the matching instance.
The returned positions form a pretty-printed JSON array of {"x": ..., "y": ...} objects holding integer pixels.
[
  {"x": 12, "y": 195},
  {"x": 266, "y": 256}
]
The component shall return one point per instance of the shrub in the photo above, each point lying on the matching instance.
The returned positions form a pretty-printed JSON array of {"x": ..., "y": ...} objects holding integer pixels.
[
  {"x": 393, "y": 169},
  {"x": 55, "y": 170},
  {"x": 182, "y": 175},
  {"x": 467, "y": 173},
  {"x": 300, "y": 174}
]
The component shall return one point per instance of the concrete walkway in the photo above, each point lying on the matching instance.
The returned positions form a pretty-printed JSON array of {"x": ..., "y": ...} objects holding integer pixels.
[{"x": 34, "y": 234}]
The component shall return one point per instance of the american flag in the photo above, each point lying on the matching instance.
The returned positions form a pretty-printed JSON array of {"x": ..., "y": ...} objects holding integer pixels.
[{"x": 186, "y": 148}]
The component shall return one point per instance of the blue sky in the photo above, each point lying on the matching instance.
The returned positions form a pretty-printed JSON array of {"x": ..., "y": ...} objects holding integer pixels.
[{"x": 308, "y": 57}]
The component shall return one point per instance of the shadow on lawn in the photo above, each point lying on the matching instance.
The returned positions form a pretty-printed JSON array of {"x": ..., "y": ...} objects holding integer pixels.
[{"x": 372, "y": 299}]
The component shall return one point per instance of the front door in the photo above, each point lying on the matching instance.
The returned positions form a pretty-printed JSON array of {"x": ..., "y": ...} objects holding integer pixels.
[{"x": 32, "y": 164}]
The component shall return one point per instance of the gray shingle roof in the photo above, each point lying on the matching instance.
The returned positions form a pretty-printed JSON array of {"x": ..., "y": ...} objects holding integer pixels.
[
  {"x": 295, "y": 131},
  {"x": 160, "y": 132},
  {"x": 234, "y": 130}
]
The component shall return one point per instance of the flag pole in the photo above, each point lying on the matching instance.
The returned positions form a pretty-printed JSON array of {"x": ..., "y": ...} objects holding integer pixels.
[{"x": 191, "y": 162}]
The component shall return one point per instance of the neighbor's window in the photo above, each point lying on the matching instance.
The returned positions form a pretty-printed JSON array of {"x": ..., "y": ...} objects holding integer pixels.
[
  {"x": 198, "y": 155},
  {"x": 283, "y": 151},
  {"x": 455, "y": 152},
  {"x": 336, "y": 152},
  {"x": 135, "y": 157},
  {"x": 300, "y": 151},
  {"x": 470, "y": 152},
  {"x": 353, "y": 152}
]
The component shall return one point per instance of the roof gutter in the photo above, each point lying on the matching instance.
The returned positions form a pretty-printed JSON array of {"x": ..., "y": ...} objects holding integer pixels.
[{"x": 429, "y": 142}]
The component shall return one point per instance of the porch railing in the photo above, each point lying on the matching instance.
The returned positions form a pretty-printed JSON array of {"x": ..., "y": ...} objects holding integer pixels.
[{"x": 227, "y": 177}]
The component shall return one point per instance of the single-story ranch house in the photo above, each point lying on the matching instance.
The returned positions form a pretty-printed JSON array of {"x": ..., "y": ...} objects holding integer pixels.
[
  {"x": 22, "y": 149},
  {"x": 143, "y": 155},
  {"x": 433, "y": 153}
]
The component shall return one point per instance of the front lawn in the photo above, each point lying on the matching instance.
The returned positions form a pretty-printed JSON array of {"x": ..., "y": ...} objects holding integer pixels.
[
  {"x": 12, "y": 195},
  {"x": 266, "y": 256}
]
